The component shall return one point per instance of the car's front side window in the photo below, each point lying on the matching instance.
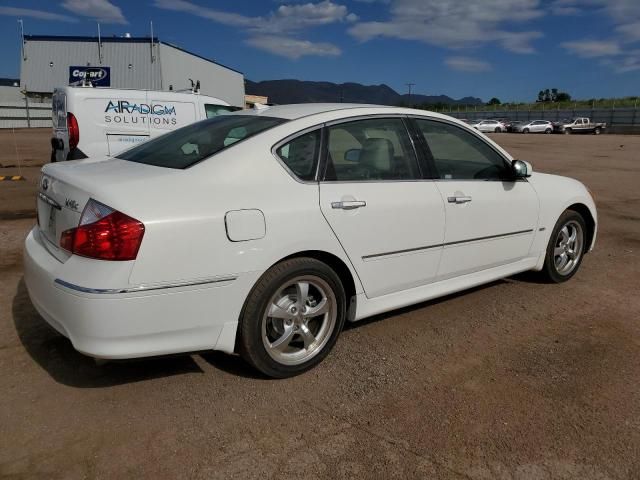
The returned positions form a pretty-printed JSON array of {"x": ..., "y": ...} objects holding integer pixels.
[
  {"x": 301, "y": 154},
  {"x": 371, "y": 149},
  {"x": 461, "y": 155}
]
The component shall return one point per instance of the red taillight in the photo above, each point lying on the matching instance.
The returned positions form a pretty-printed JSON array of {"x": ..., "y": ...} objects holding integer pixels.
[
  {"x": 104, "y": 234},
  {"x": 74, "y": 131}
]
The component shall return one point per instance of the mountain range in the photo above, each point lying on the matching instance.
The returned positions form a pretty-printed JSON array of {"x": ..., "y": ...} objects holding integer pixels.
[{"x": 298, "y": 91}]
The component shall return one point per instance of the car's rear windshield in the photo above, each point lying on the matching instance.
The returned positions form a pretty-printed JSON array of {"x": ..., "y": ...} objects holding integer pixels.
[{"x": 193, "y": 143}]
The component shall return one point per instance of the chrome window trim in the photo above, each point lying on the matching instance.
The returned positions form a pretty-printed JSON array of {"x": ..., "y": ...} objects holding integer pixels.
[{"x": 142, "y": 288}]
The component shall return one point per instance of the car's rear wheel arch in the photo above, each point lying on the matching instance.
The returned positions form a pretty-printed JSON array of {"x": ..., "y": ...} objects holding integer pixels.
[
  {"x": 590, "y": 222},
  {"x": 335, "y": 263},
  {"x": 332, "y": 261}
]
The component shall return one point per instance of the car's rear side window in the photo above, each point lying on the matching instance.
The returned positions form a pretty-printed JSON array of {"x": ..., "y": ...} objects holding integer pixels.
[
  {"x": 193, "y": 143},
  {"x": 300, "y": 155}
]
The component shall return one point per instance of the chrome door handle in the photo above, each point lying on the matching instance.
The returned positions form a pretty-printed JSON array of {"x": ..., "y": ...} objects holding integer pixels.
[
  {"x": 459, "y": 199},
  {"x": 349, "y": 204}
]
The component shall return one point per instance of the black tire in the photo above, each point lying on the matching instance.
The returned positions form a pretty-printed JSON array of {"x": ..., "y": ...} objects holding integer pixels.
[
  {"x": 596, "y": 131},
  {"x": 498, "y": 130},
  {"x": 548, "y": 131},
  {"x": 526, "y": 130},
  {"x": 550, "y": 270},
  {"x": 567, "y": 131},
  {"x": 250, "y": 342}
]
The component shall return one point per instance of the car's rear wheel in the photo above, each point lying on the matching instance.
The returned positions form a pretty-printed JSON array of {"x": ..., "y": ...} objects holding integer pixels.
[
  {"x": 548, "y": 131},
  {"x": 498, "y": 130},
  {"x": 292, "y": 318},
  {"x": 596, "y": 131},
  {"x": 566, "y": 247}
]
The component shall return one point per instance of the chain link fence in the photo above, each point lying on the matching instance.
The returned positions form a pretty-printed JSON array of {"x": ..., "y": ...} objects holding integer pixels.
[{"x": 624, "y": 120}]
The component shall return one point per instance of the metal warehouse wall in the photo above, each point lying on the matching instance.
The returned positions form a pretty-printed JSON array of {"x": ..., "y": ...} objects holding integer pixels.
[
  {"x": 215, "y": 80},
  {"x": 36, "y": 74}
]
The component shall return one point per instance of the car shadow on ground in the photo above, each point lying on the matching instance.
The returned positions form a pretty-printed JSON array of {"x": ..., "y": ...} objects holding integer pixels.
[{"x": 56, "y": 355}]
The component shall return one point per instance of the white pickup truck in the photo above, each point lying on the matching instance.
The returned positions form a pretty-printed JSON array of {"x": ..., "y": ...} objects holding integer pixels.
[
  {"x": 579, "y": 125},
  {"x": 95, "y": 121}
]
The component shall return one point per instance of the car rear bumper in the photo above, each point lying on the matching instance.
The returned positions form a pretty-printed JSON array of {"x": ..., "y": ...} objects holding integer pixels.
[{"x": 111, "y": 324}]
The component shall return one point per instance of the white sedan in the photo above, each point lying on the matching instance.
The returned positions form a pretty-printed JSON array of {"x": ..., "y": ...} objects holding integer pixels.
[
  {"x": 261, "y": 232},
  {"x": 488, "y": 126},
  {"x": 534, "y": 126}
]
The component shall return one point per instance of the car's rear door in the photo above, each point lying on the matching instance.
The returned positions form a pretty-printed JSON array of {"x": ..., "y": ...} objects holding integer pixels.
[
  {"x": 387, "y": 216},
  {"x": 490, "y": 217}
]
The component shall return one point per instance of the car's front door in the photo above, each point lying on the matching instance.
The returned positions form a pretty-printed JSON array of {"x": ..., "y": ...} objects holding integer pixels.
[
  {"x": 389, "y": 220},
  {"x": 490, "y": 218}
]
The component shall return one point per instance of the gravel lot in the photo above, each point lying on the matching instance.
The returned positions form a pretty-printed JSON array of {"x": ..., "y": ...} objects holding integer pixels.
[{"x": 514, "y": 380}]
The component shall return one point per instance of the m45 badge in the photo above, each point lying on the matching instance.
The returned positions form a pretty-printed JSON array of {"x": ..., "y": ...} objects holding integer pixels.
[{"x": 72, "y": 204}]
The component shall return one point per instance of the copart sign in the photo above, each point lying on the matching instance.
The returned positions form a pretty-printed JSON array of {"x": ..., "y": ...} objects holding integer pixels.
[{"x": 98, "y": 76}]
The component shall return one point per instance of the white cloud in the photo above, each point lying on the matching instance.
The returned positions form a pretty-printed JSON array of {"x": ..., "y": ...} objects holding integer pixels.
[
  {"x": 617, "y": 51},
  {"x": 37, "y": 14},
  {"x": 99, "y": 10},
  {"x": 291, "y": 47},
  {"x": 592, "y": 48},
  {"x": 467, "y": 64},
  {"x": 457, "y": 24},
  {"x": 276, "y": 32}
]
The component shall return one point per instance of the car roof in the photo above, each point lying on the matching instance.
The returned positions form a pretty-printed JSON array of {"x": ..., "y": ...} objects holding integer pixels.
[{"x": 299, "y": 110}]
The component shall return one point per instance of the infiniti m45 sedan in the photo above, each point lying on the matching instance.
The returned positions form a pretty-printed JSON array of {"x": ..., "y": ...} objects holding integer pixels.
[{"x": 263, "y": 231}]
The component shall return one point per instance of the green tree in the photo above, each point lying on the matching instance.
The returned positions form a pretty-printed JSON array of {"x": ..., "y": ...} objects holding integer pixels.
[
  {"x": 494, "y": 101},
  {"x": 562, "y": 97}
]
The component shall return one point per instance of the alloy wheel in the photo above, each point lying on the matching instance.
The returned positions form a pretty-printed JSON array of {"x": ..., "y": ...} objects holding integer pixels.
[
  {"x": 568, "y": 247},
  {"x": 299, "y": 320}
]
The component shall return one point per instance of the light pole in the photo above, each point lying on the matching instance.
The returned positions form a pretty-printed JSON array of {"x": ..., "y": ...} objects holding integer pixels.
[{"x": 410, "y": 85}]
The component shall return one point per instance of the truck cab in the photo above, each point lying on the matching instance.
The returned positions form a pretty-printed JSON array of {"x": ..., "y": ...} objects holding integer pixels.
[
  {"x": 93, "y": 121},
  {"x": 579, "y": 125}
]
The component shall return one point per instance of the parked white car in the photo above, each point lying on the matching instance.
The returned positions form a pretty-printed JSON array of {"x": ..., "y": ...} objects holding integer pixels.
[
  {"x": 534, "y": 126},
  {"x": 262, "y": 232},
  {"x": 95, "y": 121},
  {"x": 487, "y": 126}
]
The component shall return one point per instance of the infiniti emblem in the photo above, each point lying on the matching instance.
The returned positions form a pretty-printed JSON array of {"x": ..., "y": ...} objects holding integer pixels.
[{"x": 45, "y": 183}]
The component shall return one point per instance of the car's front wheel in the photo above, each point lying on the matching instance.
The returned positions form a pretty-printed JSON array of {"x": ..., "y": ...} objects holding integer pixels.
[
  {"x": 292, "y": 318},
  {"x": 566, "y": 247}
]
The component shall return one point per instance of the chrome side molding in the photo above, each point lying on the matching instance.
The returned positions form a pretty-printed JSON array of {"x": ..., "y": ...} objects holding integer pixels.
[{"x": 142, "y": 288}]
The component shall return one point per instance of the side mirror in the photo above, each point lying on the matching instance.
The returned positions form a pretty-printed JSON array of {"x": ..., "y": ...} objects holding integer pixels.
[
  {"x": 521, "y": 169},
  {"x": 352, "y": 155}
]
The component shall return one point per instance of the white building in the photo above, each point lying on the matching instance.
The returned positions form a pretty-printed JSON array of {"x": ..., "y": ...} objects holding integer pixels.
[{"x": 122, "y": 62}]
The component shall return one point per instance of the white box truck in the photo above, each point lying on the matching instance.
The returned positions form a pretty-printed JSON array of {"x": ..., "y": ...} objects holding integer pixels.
[{"x": 94, "y": 121}]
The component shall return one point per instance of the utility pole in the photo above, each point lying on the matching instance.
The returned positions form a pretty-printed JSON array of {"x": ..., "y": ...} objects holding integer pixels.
[{"x": 410, "y": 85}]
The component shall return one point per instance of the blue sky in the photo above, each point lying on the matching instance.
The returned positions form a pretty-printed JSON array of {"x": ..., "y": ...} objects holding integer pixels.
[{"x": 505, "y": 48}]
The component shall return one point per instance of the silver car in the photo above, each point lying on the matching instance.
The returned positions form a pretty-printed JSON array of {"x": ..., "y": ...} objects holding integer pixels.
[
  {"x": 534, "y": 126},
  {"x": 488, "y": 125}
]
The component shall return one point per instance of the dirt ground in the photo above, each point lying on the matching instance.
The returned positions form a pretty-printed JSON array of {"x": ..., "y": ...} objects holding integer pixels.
[{"x": 514, "y": 380}]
